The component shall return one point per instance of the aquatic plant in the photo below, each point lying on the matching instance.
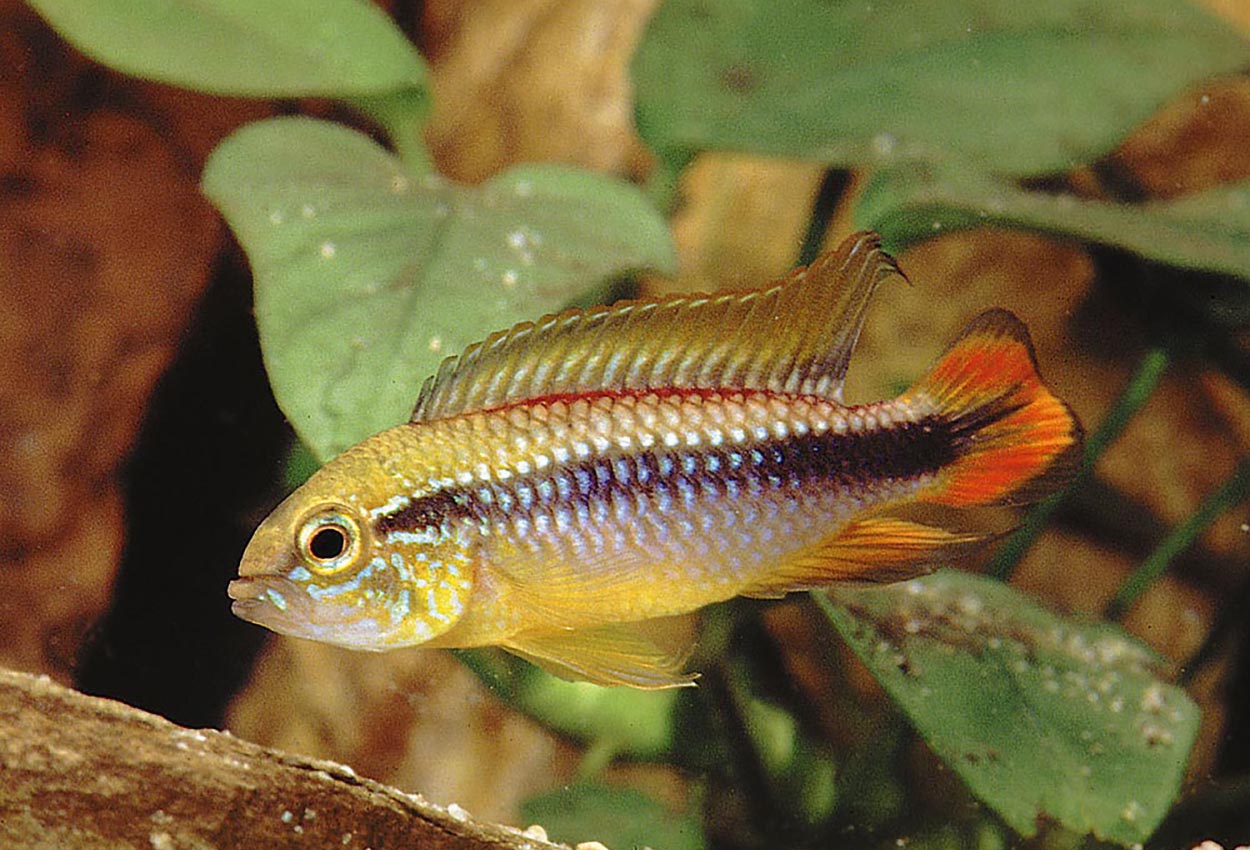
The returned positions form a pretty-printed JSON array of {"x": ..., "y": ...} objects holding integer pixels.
[{"x": 370, "y": 268}]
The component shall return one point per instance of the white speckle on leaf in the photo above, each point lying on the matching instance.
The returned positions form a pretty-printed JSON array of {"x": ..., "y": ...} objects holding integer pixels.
[
  {"x": 400, "y": 184},
  {"x": 524, "y": 188},
  {"x": 1152, "y": 699},
  {"x": 883, "y": 144},
  {"x": 509, "y": 278},
  {"x": 436, "y": 344},
  {"x": 276, "y": 217},
  {"x": 328, "y": 250},
  {"x": 161, "y": 841},
  {"x": 287, "y": 816},
  {"x": 308, "y": 211},
  {"x": 1155, "y": 735}
]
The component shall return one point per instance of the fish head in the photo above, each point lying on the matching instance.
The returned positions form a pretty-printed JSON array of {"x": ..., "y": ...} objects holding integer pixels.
[{"x": 321, "y": 567}]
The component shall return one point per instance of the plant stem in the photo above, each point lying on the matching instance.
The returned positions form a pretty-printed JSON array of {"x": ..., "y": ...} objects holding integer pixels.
[
  {"x": 402, "y": 117},
  {"x": 1232, "y": 492},
  {"x": 833, "y": 186},
  {"x": 662, "y": 186},
  {"x": 1140, "y": 387}
]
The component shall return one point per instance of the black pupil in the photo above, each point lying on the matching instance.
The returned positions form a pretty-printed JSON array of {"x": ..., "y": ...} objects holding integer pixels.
[{"x": 327, "y": 543}]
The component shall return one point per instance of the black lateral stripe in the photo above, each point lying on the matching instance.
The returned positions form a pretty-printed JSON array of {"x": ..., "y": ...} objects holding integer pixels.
[
  {"x": 429, "y": 511},
  {"x": 856, "y": 460}
]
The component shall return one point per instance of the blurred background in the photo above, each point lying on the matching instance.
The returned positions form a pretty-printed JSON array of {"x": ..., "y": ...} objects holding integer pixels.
[{"x": 140, "y": 444}]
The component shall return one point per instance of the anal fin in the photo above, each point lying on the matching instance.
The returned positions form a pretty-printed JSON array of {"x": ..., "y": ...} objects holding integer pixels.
[
  {"x": 632, "y": 654},
  {"x": 881, "y": 549}
]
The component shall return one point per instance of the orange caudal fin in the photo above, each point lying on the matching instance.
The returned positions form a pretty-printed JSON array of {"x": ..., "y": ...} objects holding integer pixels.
[{"x": 1014, "y": 441}]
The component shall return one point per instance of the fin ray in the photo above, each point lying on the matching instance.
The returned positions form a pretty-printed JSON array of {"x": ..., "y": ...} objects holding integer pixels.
[
  {"x": 795, "y": 336},
  {"x": 615, "y": 654},
  {"x": 1020, "y": 441},
  {"x": 881, "y": 549}
]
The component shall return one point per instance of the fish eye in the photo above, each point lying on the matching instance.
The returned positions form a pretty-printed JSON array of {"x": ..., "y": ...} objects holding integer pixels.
[{"x": 328, "y": 541}]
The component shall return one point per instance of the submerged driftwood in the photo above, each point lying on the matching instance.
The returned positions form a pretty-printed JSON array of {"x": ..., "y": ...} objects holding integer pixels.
[{"x": 84, "y": 772}]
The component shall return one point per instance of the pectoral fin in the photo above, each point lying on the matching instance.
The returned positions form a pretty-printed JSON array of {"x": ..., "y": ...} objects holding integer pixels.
[
  {"x": 618, "y": 654},
  {"x": 877, "y": 550}
]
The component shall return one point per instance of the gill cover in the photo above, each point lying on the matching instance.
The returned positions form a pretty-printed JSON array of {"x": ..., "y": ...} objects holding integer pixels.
[{"x": 319, "y": 568}]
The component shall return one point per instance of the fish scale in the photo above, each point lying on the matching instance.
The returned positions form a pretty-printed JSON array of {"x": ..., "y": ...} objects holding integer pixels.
[
  {"x": 566, "y": 486},
  {"x": 674, "y": 480}
]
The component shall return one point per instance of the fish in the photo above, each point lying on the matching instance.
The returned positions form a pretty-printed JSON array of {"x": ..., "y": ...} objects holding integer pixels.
[{"x": 566, "y": 488}]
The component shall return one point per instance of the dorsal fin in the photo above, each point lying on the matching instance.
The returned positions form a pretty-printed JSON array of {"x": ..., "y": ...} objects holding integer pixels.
[{"x": 794, "y": 336}]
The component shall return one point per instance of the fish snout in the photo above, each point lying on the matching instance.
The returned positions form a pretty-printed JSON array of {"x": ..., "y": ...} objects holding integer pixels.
[
  {"x": 262, "y": 592},
  {"x": 268, "y": 553}
]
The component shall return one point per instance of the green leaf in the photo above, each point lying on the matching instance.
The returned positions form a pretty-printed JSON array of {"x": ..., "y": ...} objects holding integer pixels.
[
  {"x": 1208, "y": 231},
  {"x": 300, "y": 465},
  {"x": 619, "y": 818},
  {"x": 278, "y": 48},
  {"x": 368, "y": 276},
  {"x": 1041, "y": 716},
  {"x": 1014, "y": 88}
]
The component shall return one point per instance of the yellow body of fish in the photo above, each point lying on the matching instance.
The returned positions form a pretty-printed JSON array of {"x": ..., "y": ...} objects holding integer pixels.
[{"x": 564, "y": 484}]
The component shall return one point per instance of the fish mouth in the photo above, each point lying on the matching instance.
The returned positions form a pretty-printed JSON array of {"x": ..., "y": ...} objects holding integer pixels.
[
  {"x": 282, "y": 606},
  {"x": 270, "y": 601}
]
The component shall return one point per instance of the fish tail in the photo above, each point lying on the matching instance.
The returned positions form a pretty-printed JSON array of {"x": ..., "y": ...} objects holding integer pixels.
[{"x": 1015, "y": 442}]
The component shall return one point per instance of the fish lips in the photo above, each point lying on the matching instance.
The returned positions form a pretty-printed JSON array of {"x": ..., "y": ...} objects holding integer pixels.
[
  {"x": 271, "y": 601},
  {"x": 282, "y": 606}
]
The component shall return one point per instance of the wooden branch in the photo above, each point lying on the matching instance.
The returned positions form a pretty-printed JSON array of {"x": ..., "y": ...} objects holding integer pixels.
[{"x": 81, "y": 773}]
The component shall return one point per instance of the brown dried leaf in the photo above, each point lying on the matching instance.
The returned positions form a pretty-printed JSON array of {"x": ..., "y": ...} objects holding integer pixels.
[
  {"x": 741, "y": 222},
  {"x": 1194, "y": 144},
  {"x": 533, "y": 80}
]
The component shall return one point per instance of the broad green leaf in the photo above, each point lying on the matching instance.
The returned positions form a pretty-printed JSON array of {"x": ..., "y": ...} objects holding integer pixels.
[
  {"x": 368, "y": 276},
  {"x": 1041, "y": 716},
  {"x": 1208, "y": 231},
  {"x": 1013, "y": 88},
  {"x": 278, "y": 48},
  {"x": 619, "y": 818}
]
